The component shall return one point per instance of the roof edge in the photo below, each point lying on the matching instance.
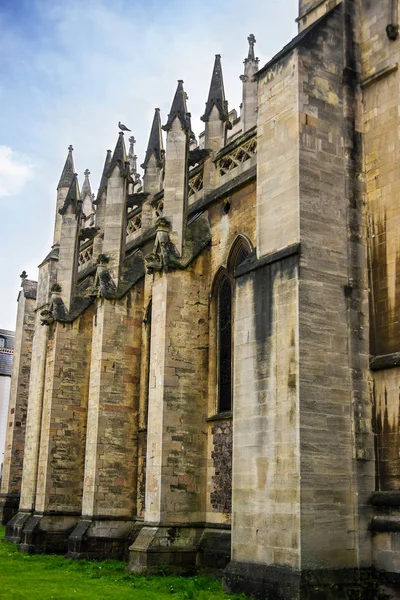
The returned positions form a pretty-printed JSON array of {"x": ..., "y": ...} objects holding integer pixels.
[{"x": 294, "y": 42}]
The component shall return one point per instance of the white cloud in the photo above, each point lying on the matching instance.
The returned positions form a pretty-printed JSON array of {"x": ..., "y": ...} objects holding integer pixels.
[{"x": 15, "y": 170}]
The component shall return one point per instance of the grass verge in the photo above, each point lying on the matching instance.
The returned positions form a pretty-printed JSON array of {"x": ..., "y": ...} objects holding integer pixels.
[{"x": 46, "y": 577}]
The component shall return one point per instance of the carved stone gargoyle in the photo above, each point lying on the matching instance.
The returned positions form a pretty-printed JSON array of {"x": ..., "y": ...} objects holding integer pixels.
[
  {"x": 103, "y": 280},
  {"x": 46, "y": 317},
  {"x": 164, "y": 255},
  {"x": 153, "y": 262},
  {"x": 56, "y": 310}
]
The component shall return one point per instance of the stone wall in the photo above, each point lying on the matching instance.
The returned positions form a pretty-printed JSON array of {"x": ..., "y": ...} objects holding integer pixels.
[
  {"x": 266, "y": 492},
  {"x": 18, "y": 400},
  {"x": 176, "y": 437},
  {"x": 111, "y": 443},
  {"x": 64, "y": 414}
]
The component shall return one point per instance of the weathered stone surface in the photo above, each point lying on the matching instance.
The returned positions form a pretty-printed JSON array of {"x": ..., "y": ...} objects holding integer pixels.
[{"x": 218, "y": 386}]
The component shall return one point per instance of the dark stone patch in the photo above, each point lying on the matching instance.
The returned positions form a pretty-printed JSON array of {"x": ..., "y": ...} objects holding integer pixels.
[
  {"x": 9, "y": 504},
  {"x": 221, "y": 495},
  {"x": 282, "y": 583}
]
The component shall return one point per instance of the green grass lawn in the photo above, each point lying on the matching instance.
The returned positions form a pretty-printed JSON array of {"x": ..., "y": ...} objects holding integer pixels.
[{"x": 43, "y": 577}]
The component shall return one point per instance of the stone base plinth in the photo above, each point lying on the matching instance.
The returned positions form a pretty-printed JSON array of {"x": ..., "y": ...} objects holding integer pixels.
[
  {"x": 214, "y": 552},
  {"x": 97, "y": 538},
  {"x": 15, "y": 526},
  {"x": 37, "y": 534},
  {"x": 171, "y": 548},
  {"x": 9, "y": 504},
  {"x": 276, "y": 583}
]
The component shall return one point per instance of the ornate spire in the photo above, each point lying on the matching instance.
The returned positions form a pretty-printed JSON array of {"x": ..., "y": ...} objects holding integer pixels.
[
  {"x": 86, "y": 196},
  {"x": 104, "y": 179},
  {"x": 216, "y": 95},
  {"x": 155, "y": 145},
  {"x": 68, "y": 170},
  {"x": 86, "y": 189},
  {"x": 119, "y": 156},
  {"x": 73, "y": 197},
  {"x": 178, "y": 109}
]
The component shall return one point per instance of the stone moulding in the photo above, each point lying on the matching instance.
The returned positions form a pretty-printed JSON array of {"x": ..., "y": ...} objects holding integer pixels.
[
  {"x": 385, "y": 361},
  {"x": 252, "y": 262}
]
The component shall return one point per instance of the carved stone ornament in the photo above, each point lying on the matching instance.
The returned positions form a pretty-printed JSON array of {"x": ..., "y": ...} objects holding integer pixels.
[
  {"x": 104, "y": 282},
  {"x": 392, "y": 31},
  {"x": 103, "y": 259},
  {"x": 164, "y": 255},
  {"x": 47, "y": 317},
  {"x": 153, "y": 262}
]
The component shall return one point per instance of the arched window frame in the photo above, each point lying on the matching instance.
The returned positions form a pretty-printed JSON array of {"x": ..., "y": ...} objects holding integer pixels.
[{"x": 242, "y": 245}]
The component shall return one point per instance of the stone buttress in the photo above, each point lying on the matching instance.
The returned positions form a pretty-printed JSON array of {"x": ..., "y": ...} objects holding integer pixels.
[
  {"x": 301, "y": 355},
  {"x": 175, "y": 463},
  {"x": 110, "y": 473},
  {"x": 214, "y": 373},
  {"x": 18, "y": 404}
]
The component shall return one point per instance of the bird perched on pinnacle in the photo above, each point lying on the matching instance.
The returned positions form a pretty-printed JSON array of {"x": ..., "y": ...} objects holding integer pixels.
[{"x": 122, "y": 126}]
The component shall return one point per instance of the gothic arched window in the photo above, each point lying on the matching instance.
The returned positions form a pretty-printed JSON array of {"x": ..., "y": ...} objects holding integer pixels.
[
  {"x": 225, "y": 345},
  {"x": 224, "y": 300}
]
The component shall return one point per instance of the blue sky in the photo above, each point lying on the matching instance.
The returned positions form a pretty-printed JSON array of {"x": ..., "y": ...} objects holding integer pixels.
[{"x": 70, "y": 70}]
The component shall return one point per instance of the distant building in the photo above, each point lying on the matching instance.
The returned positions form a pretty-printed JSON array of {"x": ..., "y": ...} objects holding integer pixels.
[{"x": 7, "y": 339}]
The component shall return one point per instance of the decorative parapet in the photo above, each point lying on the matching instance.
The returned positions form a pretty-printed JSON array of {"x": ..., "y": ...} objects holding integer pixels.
[
  {"x": 158, "y": 206},
  {"x": 85, "y": 255},
  {"x": 237, "y": 153},
  {"x": 134, "y": 223},
  {"x": 196, "y": 180}
]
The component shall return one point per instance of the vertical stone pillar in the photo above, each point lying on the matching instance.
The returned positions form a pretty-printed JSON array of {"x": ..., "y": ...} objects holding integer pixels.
[
  {"x": 109, "y": 494},
  {"x": 55, "y": 494},
  {"x": 115, "y": 211},
  {"x": 18, "y": 404},
  {"x": 175, "y": 182},
  {"x": 67, "y": 269},
  {"x": 178, "y": 130},
  {"x": 47, "y": 276},
  {"x": 144, "y": 397},
  {"x": 100, "y": 204},
  {"x": 249, "y": 102},
  {"x": 176, "y": 436},
  {"x": 153, "y": 169}
]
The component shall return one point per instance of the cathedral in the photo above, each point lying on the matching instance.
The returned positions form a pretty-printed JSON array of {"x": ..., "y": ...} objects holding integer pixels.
[{"x": 207, "y": 371}]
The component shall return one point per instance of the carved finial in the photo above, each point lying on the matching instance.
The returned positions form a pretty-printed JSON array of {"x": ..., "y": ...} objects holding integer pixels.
[
  {"x": 252, "y": 40},
  {"x": 70, "y": 148},
  {"x": 132, "y": 143},
  {"x": 87, "y": 173},
  {"x": 23, "y": 276}
]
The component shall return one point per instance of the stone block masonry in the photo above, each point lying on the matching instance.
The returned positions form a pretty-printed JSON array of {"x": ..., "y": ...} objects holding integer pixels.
[{"x": 219, "y": 388}]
